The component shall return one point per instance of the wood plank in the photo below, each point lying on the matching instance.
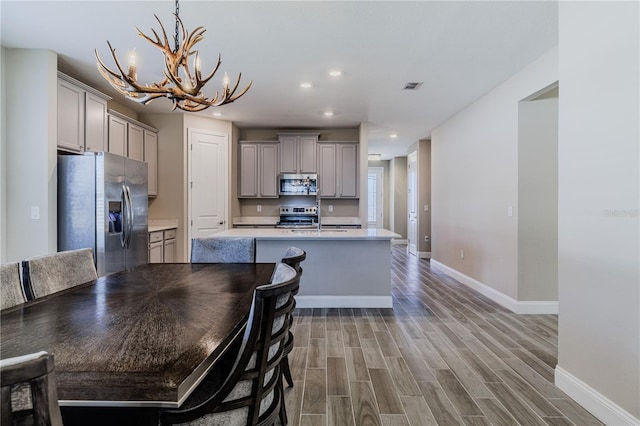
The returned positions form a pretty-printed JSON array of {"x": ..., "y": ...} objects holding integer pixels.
[
  {"x": 439, "y": 404},
  {"x": 337, "y": 380},
  {"x": 385, "y": 392},
  {"x": 315, "y": 392},
  {"x": 356, "y": 365},
  {"x": 365, "y": 410},
  {"x": 340, "y": 412},
  {"x": 457, "y": 394}
]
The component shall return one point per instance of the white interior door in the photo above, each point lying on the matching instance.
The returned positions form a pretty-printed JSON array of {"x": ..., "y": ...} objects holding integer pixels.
[
  {"x": 208, "y": 184},
  {"x": 375, "y": 200},
  {"x": 412, "y": 201}
]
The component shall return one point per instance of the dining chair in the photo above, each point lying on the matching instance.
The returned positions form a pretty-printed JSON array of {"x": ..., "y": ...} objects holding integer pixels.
[
  {"x": 292, "y": 257},
  {"x": 29, "y": 394},
  {"x": 247, "y": 389},
  {"x": 11, "y": 291},
  {"x": 55, "y": 272},
  {"x": 223, "y": 250}
]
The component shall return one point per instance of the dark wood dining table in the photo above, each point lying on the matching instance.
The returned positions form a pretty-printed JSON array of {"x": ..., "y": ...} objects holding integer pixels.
[{"x": 143, "y": 337}]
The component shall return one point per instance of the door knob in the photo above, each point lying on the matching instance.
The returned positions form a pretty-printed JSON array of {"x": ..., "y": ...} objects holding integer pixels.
[{"x": 221, "y": 222}]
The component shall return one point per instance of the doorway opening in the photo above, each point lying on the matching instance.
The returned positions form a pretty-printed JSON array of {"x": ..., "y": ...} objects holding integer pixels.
[{"x": 375, "y": 200}]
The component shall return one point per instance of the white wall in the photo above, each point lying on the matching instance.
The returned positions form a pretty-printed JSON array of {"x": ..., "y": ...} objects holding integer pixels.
[
  {"x": 3, "y": 156},
  {"x": 538, "y": 199},
  {"x": 475, "y": 180},
  {"x": 599, "y": 197},
  {"x": 30, "y": 149}
]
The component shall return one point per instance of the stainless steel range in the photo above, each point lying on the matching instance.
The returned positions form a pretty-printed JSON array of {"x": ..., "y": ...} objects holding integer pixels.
[{"x": 304, "y": 217}]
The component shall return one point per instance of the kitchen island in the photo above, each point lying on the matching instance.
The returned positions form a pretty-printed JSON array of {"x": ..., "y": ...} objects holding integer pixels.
[{"x": 344, "y": 267}]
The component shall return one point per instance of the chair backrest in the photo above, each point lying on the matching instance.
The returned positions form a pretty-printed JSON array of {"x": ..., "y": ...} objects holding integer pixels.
[
  {"x": 293, "y": 257},
  {"x": 223, "y": 250},
  {"x": 49, "y": 274},
  {"x": 29, "y": 393},
  {"x": 11, "y": 291},
  {"x": 250, "y": 394}
]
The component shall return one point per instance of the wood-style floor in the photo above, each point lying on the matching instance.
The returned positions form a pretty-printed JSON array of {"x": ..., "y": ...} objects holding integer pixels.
[{"x": 444, "y": 355}]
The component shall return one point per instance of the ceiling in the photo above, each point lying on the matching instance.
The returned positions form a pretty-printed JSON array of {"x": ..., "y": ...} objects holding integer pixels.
[{"x": 458, "y": 50}]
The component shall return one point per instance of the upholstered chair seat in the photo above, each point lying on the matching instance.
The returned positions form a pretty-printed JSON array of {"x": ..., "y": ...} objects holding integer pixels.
[
  {"x": 11, "y": 291},
  {"x": 223, "y": 250},
  {"x": 52, "y": 273}
]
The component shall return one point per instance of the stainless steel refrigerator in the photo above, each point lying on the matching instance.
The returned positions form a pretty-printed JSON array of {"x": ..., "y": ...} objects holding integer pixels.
[{"x": 102, "y": 204}]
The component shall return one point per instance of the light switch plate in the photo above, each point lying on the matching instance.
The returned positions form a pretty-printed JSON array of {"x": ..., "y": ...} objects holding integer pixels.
[{"x": 259, "y": 208}]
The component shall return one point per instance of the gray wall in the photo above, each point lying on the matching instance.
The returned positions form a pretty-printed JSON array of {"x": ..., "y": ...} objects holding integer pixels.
[
  {"x": 599, "y": 197},
  {"x": 423, "y": 163},
  {"x": 538, "y": 199}
]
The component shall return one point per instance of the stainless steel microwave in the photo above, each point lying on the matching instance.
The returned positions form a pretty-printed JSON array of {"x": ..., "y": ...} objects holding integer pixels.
[{"x": 298, "y": 184}]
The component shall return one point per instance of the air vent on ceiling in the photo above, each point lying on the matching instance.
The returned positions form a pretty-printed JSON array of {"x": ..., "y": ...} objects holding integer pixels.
[{"x": 412, "y": 86}]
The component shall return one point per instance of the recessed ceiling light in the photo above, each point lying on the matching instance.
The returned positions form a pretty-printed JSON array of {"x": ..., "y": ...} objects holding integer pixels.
[
  {"x": 335, "y": 73},
  {"x": 393, "y": 135},
  {"x": 328, "y": 113},
  {"x": 305, "y": 85},
  {"x": 217, "y": 114}
]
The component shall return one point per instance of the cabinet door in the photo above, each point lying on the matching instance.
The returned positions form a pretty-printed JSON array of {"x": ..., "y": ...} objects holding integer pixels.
[
  {"x": 268, "y": 170},
  {"x": 170, "y": 251},
  {"x": 151, "y": 158},
  {"x": 289, "y": 154},
  {"x": 95, "y": 123},
  {"x": 327, "y": 172},
  {"x": 156, "y": 252},
  {"x": 70, "y": 117},
  {"x": 117, "y": 136},
  {"x": 348, "y": 170},
  {"x": 307, "y": 148},
  {"x": 248, "y": 186},
  {"x": 135, "y": 142}
]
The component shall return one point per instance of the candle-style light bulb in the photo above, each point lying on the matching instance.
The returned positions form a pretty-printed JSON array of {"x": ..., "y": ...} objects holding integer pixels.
[
  {"x": 197, "y": 63},
  {"x": 131, "y": 71},
  {"x": 225, "y": 81}
]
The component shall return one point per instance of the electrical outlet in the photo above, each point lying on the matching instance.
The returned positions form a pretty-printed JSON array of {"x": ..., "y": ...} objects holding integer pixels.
[
  {"x": 461, "y": 254},
  {"x": 35, "y": 212},
  {"x": 330, "y": 207},
  {"x": 259, "y": 208},
  {"x": 426, "y": 207}
]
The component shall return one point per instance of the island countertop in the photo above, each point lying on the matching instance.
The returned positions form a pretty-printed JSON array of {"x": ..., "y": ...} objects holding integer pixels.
[{"x": 310, "y": 234}]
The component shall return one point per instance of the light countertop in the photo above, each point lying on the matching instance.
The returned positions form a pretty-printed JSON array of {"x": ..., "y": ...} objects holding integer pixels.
[
  {"x": 161, "y": 224},
  {"x": 310, "y": 234}
]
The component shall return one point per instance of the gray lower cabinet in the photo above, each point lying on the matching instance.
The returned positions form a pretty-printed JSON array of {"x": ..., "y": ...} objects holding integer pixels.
[
  {"x": 258, "y": 171},
  {"x": 162, "y": 246},
  {"x": 338, "y": 169}
]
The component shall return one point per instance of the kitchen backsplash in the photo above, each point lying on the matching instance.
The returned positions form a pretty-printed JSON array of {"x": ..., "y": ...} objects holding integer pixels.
[{"x": 271, "y": 206}]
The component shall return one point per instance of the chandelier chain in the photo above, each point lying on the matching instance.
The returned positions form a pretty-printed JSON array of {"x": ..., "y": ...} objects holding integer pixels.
[{"x": 176, "y": 38}]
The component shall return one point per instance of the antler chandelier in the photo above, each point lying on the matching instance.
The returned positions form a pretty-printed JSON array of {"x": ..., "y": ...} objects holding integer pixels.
[{"x": 180, "y": 84}]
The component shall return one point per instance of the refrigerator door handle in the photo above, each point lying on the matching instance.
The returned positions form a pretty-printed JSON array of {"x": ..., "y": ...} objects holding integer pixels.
[
  {"x": 129, "y": 216},
  {"x": 124, "y": 217}
]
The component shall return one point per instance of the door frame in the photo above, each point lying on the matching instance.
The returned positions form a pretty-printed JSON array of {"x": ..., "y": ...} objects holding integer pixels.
[
  {"x": 190, "y": 132},
  {"x": 412, "y": 201},
  {"x": 379, "y": 172}
]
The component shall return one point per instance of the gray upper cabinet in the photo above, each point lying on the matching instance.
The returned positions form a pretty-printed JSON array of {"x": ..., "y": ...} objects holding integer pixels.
[
  {"x": 258, "y": 171},
  {"x": 338, "y": 169},
  {"x": 82, "y": 116},
  {"x": 135, "y": 142},
  {"x": 327, "y": 173},
  {"x": 96, "y": 132},
  {"x": 117, "y": 135},
  {"x": 298, "y": 153}
]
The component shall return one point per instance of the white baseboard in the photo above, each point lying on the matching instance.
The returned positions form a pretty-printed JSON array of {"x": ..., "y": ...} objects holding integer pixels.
[
  {"x": 593, "y": 401},
  {"x": 518, "y": 307},
  {"x": 396, "y": 241},
  {"x": 541, "y": 307},
  {"x": 424, "y": 254},
  {"x": 344, "y": 301}
]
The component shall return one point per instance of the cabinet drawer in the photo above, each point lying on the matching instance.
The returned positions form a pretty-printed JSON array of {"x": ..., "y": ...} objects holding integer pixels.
[
  {"x": 169, "y": 234},
  {"x": 154, "y": 237}
]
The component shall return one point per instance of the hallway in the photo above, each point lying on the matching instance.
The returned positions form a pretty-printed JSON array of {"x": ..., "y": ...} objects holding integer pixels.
[{"x": 444, "y": 355}]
